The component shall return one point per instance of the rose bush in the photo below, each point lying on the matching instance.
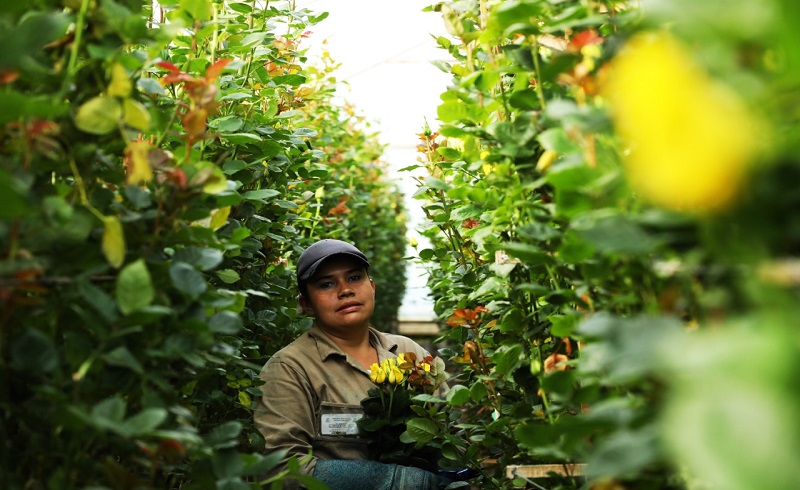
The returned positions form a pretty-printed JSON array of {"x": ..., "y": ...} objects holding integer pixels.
[
  {"x": 603, "y": 192},
  {"x": 160, "y": 170}
]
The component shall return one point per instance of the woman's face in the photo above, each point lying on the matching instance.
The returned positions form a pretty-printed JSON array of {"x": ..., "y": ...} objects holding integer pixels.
[{"x": 341, "y": 295}]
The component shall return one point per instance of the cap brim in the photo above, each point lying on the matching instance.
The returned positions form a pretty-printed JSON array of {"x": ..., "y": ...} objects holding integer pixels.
[{"x": 312, "y": 269}]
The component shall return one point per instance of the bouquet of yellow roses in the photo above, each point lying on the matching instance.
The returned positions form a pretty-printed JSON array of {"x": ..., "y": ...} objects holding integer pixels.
[{"x": 405, "y": 389}]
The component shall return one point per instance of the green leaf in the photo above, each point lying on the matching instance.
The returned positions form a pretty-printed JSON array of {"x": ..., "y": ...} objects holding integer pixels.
[
  {"x": 259, "y": 465},
  {"x": 35, "y": 30},
  {"x": 426, "y": 398},
  {"x": 493, "y": 286},
  {"x": 292, "y": 80},
  {"x": 99, "y": 300},
  {"x": 121, "y": 356},
  {"x": 225, "y": 435},
  {"x": 245, "y": 399},
  {"x": 202, "y": 258},
  {"x": 623, "y": 452},
  {"x": 466, "y": 212},
  {"x": 574, "y": 249},
  {"x": 525, "y": 99},
  {"x": 33, "y": 352},
  {"x": 452, "y": 111},
  {"x": 731, "y": 388},
  {"x": 449, "y": 153},
  {"x": 422, "y": 430},
  {"x": 458, "y": 395},
  {"x": 187, "y": 279},
  {"x": 614, "y": 233},
  {"x": 198, "y": 9},
  {"x": 520, "y": 56},
  {"x": 225, "y": 322},
  {"x": 150, "y": 86},
  {"x": 109, "y": 411},
  {"x": 99, "y": 115},
  {"x": 563, "y": 325},
  {"x": 478, "y": 392},
  {"x": 623, "y": 348},
  {"x": 519, "y": 14},
  {"x": 227, "y": 124},
  {"x": 437, "y": 184},
  {"x": 13, "y": 200},
  {"x": 530, "y": 254},
  {"x": 513, "y": 321},
  {"x": 228, "y": 276},
  {"x": 261, "y": 195},
  {"x": 144, "y": 422},
  {"x": 507, "y": 358},
  {"x": 136, "y": 115},
  {"x": 533, "y": 436},
  {"x": 253, "y": 38},
  {"x": 113, "y": 241},
  {"x": 134, "y": 287},
  {"x": 16, "y": 105},
  {"x": 242, "y": 138},
  {"x": 556, "y": 139}
]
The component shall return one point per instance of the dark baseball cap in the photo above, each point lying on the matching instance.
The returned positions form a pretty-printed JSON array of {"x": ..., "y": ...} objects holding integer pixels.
[{"x": 316, "y": 254}]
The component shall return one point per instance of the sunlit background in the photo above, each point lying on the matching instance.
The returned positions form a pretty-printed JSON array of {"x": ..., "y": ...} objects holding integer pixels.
[{"x": 386, "y": 49}]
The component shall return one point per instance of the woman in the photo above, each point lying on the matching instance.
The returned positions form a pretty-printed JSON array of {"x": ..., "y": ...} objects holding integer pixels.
[{"x": 314, "y": 386}]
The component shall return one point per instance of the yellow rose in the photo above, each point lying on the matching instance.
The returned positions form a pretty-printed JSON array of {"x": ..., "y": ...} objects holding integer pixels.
[
  {"x": 377, "y": 375},
  {"x": 690, "y": 138},
  {"x": 395, "y": 375}
]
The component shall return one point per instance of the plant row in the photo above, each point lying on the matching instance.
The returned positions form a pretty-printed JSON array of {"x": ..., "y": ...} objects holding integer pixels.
[
  {"x": 612, "y": 209},
  {"x": 161, "y": 167}
]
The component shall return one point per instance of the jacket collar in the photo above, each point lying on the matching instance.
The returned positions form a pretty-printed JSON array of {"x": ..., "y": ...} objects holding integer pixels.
[{"x": 383, "y": 344}]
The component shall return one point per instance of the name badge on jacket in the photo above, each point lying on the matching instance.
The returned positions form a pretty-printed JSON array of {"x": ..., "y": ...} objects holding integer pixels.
[{"x": 339, "y": 419}]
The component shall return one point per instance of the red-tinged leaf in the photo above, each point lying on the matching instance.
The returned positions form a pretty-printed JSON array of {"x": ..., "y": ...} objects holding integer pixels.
[
  {"x": 213, "y": 71},
  {"x": 584, "y": 38},
  {"x": 8, "y": 76},
  {"x": 194, "y": 122},
  {"x": 470, "y": 350},
  {"x": 42, "y": 127},
  {"x": 177, "y": 78},
  {"x": 458, "y": 318},
  {"x": 168, "y": 66},
  {"x": 555, "y": 362},
  {"x": 470, "y": 223},
  {"x": 177, "y": 177}
]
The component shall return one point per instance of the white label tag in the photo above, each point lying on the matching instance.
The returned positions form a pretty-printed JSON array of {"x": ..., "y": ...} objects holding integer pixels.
[{"x": 340, "y": 424}]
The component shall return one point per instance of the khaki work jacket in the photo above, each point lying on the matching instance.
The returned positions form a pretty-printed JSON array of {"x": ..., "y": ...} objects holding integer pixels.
[{"x": 312, "y": 396}]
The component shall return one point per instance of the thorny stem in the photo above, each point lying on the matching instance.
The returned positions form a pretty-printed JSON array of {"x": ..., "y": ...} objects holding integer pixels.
[
  {"x": 82, "y": 190},
  {"x": 450, "y": 232},
  {"x": 539, "y": 90},
  {"x": 76, "y": 45},
  {"x": 391, "y": 402},
  {"x": 545, "y": 400},
  {"x": 215, "y": 37},
  {"x": 493, "y": 396}
]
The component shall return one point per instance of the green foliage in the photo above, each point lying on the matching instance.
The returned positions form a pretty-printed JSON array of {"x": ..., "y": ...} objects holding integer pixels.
[
  {"x": 158, "y": 178},
  {"x": 588, "y": 324}
]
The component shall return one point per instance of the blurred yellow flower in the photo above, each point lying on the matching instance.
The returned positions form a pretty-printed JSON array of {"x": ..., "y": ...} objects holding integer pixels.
[{"x": 690, "y": 138}]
